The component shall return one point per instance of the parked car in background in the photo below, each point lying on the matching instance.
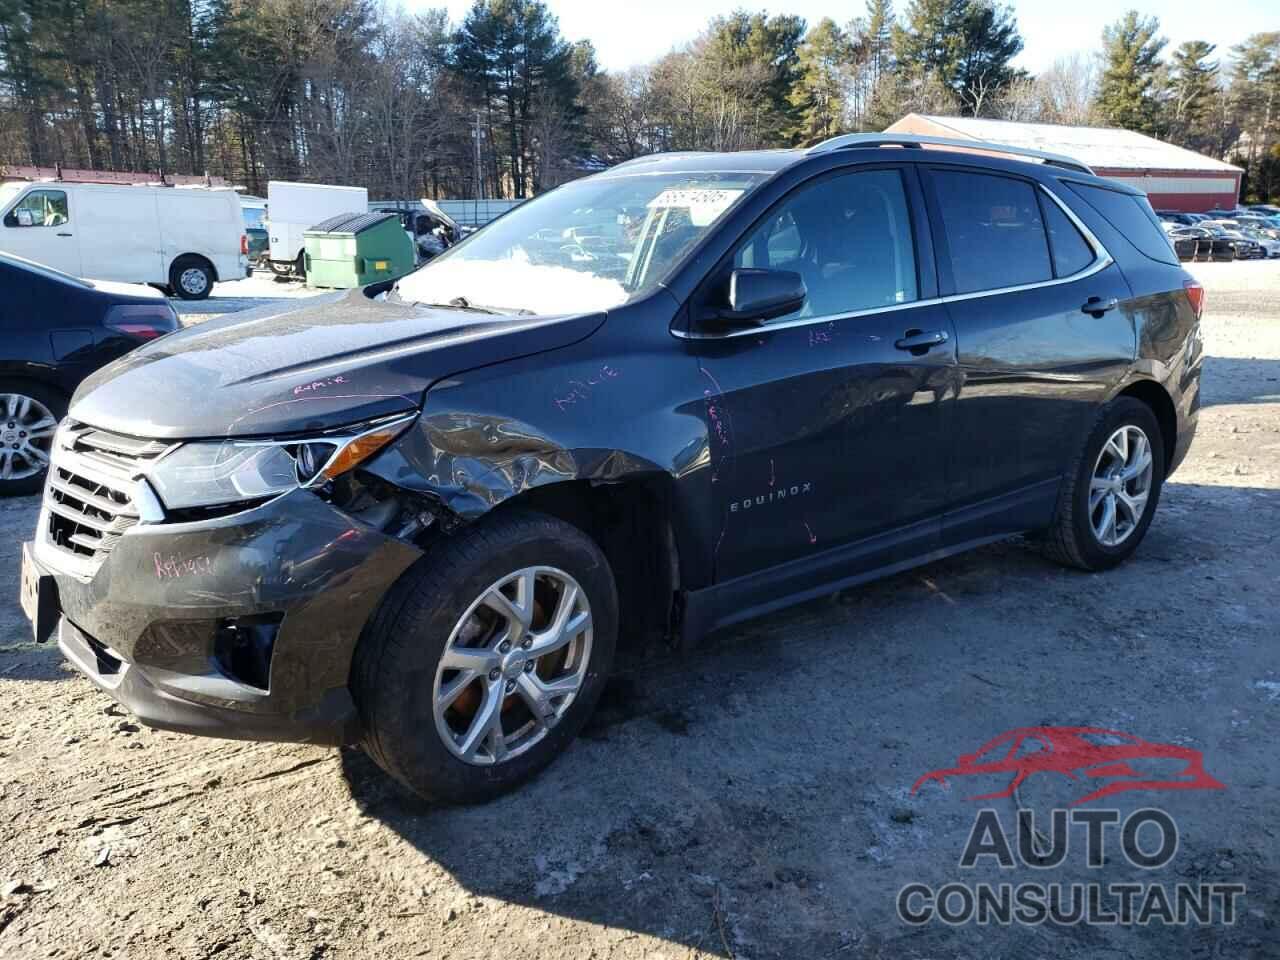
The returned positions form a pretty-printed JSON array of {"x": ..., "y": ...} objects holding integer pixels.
[
  {"x": 1246, "y": 247},
  {"x": 1185, "y": 245},
  {"x": 184, "y": 239},
  {"x": 1176, "y": 217},
  {"x": 501, "y": 463},
  {"x": 259, "y": 245},
  {"x": 1268, "y": 209},
  {"x": 254, "y": 210},
  {"x": 55, "y": 330},
  {"x": 430, "y": 228},
  {"x": 1209, "y": 246},
  {"x": 1267, "y": 226},
  {"x": 294, "y": 208},
  {"x": 1261, "y": 234}
]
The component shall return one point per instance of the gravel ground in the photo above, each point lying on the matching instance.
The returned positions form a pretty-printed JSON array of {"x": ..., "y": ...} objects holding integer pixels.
[{"x": 751, "y": 800}]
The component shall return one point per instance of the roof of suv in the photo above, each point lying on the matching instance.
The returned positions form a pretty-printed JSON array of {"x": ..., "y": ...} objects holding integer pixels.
[{"x": 868, "y": 147}]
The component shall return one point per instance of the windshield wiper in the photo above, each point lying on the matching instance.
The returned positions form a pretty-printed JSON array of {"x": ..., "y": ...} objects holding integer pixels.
[{"x": 462, "y": 303}]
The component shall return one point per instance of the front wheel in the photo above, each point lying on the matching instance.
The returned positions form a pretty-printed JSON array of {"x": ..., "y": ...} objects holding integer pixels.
[
  {"x": 29, "y": 415},
  {"x": 482, "y": 664},
  {"x": 1111, "y": 490}
]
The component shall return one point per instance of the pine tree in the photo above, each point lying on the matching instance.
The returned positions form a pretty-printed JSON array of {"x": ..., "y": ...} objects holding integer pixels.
[
  {"x": 1193, "y": 83},
  {"x": 1255, "y": 102},
  {"x": 515, "y": 62},
  {"x": 966, "y": 45},
  {"x": 819, "y": 92},
  {"x": 879, "y": 39},
  {"x": 1127, "y": 92}
]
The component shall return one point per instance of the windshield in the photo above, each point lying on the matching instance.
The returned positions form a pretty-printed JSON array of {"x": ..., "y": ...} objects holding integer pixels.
[{"x": 590, "y": 245}]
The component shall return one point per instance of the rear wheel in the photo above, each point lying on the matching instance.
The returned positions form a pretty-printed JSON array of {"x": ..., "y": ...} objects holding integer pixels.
[
  {"x": 29, "y": 415},
  {"x": 484, "y": 661},
  {"x": 191, "y": 278},
  {"x": 1111, "y": 492}
]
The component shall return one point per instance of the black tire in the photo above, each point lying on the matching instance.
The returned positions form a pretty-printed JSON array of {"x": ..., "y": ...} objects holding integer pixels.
[
  {"x": 56, "y": 404},
  {"x": 394, "y": 672},
  {"x": 185, "y": 274},
  {"x": 1071, "y": 540}
]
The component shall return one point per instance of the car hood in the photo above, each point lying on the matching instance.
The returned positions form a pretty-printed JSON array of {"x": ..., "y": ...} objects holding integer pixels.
[{"x": 293, "y": 368}]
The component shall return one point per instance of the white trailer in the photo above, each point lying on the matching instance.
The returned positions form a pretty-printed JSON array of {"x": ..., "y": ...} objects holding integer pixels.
[
  {"x": 294, "y": 208},
  {"x": 183, "y": 238}
]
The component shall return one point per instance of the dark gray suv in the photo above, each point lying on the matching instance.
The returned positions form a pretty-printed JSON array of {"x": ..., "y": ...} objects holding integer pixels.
[{"x": 648, "y": 404}]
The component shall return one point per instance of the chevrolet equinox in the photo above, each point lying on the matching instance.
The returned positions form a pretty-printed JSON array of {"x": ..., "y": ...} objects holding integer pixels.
[{"x": 648, "y": 404}]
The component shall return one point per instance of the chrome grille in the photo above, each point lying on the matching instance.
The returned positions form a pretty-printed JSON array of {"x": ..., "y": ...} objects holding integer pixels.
[{"x": 88, "y": 497}]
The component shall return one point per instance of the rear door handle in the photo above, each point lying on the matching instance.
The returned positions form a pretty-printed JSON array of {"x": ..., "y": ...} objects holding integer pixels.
[
  {"x": 64, "y": 234},
  {"x": 919, "y": 342},
  {"x": 1097, "y": 306}
]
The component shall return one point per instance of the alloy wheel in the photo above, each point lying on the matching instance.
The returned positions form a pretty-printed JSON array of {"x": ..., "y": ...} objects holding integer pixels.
[
  {"x": 26, "y": 436},
  {"x": 513, "y": 665},
  {"x": 1121, "y": 486}
]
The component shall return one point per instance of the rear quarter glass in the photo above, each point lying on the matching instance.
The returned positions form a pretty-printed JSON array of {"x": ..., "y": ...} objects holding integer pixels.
[{"x": 1132, "y": 217}]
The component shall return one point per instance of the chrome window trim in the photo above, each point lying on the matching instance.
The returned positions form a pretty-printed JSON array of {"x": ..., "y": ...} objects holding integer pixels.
[{"x": 1101, "y": 260}]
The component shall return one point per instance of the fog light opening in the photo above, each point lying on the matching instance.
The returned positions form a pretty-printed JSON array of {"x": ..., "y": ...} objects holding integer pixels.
[{"x": 243, "y": 647}]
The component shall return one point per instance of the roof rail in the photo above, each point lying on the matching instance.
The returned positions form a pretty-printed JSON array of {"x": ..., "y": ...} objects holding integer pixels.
[{"x": 915, "y": 141}]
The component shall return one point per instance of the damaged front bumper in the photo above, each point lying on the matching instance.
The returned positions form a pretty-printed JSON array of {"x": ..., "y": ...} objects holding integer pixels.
[{"x": 243, "y": 626}]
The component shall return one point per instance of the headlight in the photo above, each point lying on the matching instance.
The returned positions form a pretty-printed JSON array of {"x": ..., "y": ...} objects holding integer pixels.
[{"x": 212, "y": 473}]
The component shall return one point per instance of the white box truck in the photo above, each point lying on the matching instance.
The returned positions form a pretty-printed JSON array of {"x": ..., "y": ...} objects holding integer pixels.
[
  {"x": 294, "y": 208},
  {"x": 181, "y": 238}
]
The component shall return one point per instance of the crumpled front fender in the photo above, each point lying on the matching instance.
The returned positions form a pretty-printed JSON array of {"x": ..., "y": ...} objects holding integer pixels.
[{"x": 471, "y": 463}]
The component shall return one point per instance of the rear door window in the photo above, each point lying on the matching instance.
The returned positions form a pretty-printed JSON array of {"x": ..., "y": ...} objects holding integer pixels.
[
  {"x": 849, "y": 237},
  {"x": 995, "y": 236},
  {"x": 1132, "y": 217},
  {"x": 1071, "y": 252}
]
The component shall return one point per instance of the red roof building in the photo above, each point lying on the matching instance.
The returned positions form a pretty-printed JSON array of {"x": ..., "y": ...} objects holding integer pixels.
[{"x": 1173, "y": 178}]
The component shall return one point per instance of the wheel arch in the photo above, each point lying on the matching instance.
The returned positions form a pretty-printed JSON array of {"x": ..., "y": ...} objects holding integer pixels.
[
  {"x": 632, "y": 521},
  {"x": 45, "y": 377},
  {"x": 464, "y": 467},
  {"x": 207, "y": 261},
  {"x": 1157, "y": 398}
]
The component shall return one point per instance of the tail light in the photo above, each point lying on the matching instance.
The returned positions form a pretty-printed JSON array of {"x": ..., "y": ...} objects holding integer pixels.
[
  {"x": 141, "y": 321},
  {"x": 244, "y": 244},
  {"x": 1195, "y": 293}
]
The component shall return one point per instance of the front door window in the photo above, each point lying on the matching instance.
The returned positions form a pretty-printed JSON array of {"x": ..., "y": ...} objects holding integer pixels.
[{"x": 39, "y": 208}]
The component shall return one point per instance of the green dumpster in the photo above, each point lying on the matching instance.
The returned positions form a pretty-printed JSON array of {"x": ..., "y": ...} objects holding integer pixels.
[{"x": 356, "y": 249}]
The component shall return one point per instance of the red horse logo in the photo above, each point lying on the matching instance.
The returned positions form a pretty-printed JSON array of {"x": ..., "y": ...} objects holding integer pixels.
[{"x": 1076, "y": 753}]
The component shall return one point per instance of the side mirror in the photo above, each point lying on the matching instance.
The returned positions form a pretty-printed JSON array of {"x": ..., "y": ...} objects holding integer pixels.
[{"x": 758, "y": 295}]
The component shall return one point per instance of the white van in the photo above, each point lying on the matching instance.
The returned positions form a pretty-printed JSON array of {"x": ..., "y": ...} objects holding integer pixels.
[
  {"x": 294, "y": 208},
  {"x": 184, "y": 238}
]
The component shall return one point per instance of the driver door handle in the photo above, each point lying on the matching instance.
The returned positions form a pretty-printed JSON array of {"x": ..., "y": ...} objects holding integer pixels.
[
  {"x": 64, "y": 234},
  {"x": 919, "y": 342},
  {"x": 1097, "y": 306}
]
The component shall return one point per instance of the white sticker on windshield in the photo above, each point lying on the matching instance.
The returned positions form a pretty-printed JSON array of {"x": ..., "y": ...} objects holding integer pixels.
[{"x": 703, "y": 204}]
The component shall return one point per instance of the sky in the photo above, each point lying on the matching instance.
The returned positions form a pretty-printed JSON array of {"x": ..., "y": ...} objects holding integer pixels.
[{"x": 629, "y": 32}]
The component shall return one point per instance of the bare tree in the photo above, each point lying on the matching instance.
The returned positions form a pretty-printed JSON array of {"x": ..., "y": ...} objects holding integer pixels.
[{"x": 1068, "y": 90}]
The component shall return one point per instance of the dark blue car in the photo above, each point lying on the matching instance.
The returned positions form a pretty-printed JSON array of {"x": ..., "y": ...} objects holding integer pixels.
[{"x": 55, "y": 330}]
